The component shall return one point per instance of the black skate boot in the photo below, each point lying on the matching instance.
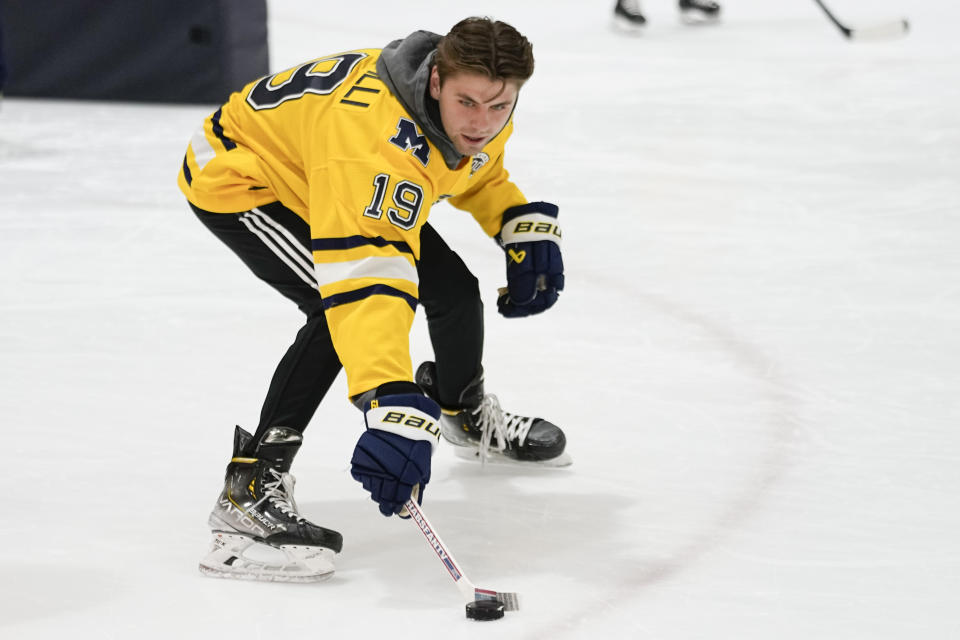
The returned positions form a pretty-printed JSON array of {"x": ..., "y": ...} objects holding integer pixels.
[
  {"x": 482, "y": 430},
  {"x": 699, "y": 11},
  {"x": 626, "y": 14},
  {"x": 258, "y": 533}
]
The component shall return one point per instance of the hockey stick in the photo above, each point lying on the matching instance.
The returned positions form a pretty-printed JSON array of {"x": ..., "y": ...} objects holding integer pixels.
[
  {"x": 470, "y": 593},
  {"x": 885, "y": 30}
]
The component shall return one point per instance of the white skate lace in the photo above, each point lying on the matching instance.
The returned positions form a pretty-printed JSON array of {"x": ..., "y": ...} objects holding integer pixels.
[
  {"x": 279, "y": 491},
  {"x": 494, "y": 421}
]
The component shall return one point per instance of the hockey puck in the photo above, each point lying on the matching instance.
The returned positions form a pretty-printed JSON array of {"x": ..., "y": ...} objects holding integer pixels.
[{"x": 485, "y": 610}]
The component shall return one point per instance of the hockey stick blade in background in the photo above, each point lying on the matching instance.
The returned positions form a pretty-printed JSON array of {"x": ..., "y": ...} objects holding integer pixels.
[
  {"x": 509, "y": 600},
  {"x": 883, "y": 31}
]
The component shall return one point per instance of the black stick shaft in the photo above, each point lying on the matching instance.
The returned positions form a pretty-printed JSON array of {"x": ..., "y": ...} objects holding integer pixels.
[{"x": 847, "y": 31}]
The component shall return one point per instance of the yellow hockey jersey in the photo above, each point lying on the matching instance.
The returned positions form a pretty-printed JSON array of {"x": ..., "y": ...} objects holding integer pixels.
[{"x": 331, "y": 142}]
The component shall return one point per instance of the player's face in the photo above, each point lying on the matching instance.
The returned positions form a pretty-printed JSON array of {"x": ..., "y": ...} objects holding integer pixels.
[{"x": 473, "y": 108}]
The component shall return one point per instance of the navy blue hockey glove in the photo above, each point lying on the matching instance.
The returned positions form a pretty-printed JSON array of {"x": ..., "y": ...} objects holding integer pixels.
[
  {"x": 392, "y": 457},
  {"x": 531, "y": 239}
]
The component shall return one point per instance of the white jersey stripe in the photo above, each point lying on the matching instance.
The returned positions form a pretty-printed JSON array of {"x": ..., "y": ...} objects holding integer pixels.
[
  {"x": 381, "y": 268},
  {"x": 278, "y": 252},
  {"x": 203, "y": 152}
]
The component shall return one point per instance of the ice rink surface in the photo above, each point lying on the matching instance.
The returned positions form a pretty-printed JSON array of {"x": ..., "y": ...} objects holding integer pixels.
[{"x": 755, "y": 358}]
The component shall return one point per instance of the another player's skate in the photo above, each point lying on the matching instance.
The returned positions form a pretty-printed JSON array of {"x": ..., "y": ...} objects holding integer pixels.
[
  {"x": 699, "y": 11},
  {"x": 627, "y": 15},
  {"x": 258, "y": 533},
  {"x": 483, "y": 431}
]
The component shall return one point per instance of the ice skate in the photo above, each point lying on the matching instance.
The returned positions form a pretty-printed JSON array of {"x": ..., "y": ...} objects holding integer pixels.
[
  {"x": 627, "y": 16},
  {"x": 699, "y": 11},
  {"x": 257, "y": 532},
  {"x": 482, "y": 430}
]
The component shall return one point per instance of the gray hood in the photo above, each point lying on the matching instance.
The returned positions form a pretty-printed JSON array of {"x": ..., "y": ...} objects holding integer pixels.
[{"x": 404, "y": 66}]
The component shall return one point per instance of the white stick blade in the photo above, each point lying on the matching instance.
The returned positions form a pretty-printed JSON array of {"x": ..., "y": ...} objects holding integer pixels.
[
  {"x": 885, "y": 31},
  {"x": 509, "y": 599}
]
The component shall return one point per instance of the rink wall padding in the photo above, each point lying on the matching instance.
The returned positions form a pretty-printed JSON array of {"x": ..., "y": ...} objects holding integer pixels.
[{"x": 195, "y": 51}]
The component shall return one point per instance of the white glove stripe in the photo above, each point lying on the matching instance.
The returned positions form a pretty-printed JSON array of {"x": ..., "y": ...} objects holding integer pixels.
[{"x": 531, "y": 227}]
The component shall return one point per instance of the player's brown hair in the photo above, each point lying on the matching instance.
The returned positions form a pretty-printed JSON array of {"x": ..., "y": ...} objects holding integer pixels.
[{"x": 487, "y": 47}]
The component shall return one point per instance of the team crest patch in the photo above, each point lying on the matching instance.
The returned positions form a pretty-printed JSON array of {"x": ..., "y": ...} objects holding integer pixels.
[
  {"x": 409, "y": 137},
  {"x": 478, "y": 161}
]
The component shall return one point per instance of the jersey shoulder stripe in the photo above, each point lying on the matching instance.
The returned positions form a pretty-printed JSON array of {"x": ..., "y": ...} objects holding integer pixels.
[{"x": 217, "y": 129}]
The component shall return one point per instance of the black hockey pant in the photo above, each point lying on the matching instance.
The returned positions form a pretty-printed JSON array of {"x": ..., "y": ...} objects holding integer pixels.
[{"x": 275, "y": 244}]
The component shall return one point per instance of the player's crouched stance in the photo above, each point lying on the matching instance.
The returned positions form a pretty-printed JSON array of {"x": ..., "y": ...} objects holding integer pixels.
[{"x": 320, "y": 179}]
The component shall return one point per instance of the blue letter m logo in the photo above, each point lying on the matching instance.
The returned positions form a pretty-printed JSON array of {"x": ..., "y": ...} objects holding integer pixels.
[{"x": 409, "y": 137}]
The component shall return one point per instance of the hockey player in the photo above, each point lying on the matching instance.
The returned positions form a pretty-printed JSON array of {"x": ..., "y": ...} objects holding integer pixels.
[
  {"x": 321, "y": 178},
  {"x": 627, "y": 13}
]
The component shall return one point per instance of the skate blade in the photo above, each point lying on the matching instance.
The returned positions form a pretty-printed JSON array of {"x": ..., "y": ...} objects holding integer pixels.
[
  {"x": 211, "y": 572},
  {"x": 240, "y": 557},
  {"x": 622, "y": 25},
  {"x": 695, "y": 18},
  {"x": 495, "y": 457}
]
